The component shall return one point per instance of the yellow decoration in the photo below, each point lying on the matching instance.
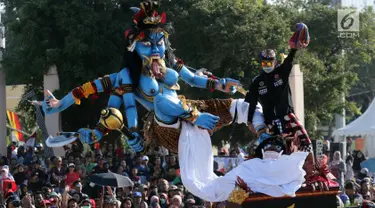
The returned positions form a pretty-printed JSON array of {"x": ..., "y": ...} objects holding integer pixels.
[
  {"x": 112, "y": 119},
  {"x": 292, "y": 206},
  {"x": 88, "y": 89},
  {"x": 238, "y": 195},
  {"x": 78, "y": 101}
]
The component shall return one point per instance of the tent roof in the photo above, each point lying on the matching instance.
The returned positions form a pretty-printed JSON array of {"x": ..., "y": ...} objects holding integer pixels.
[{"x": 363, "y": 125}]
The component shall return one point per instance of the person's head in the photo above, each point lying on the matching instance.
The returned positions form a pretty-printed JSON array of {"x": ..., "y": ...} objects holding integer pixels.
[
  {"x": 73, "y": 203},
  {"x": 163, "y": 198},
  {"x": 157, "y": 161},
  {"x": 176, "y": 200},
  {"x": 77, "y": 186},
  {"x": 137, "y": 197},
  {"x": 58, "y": 161},
  {"x": 14, "y": 201},
  {"x": 359, "y": 154},
  {"x": 88, "y": 158},
  {"x": 77, "y": 196},
  {"x": 77, "y": 161},
  {"x": 35, "y": 176},
  {"x": 20, "y": 169},
  {"x": 123, "y": 163},
  {"x": 71, "y": 167},
  {"x": 144, "y": 190},
  {"x": 101, "y": 161},
  {"x": 143, "y": 205},
  {"x": 127, "y": 203},
  {"x": 349, "y": 188},
  {"x": 163, "y": 185},
  {"x": 364, "y": 171},
  {"x": 190, "y": 202},
  {"x": 337, "y": 155},
  {"x": 233, "y": 153},
  {"x": 13, "y": 161},
  {"x": 120, "y": 170},
  {"x": 38, "y": 198},
  {"x": 172, "y": 160},
  {"x": 135, "y": 171},
  {"x": 138, "y": 160},
  {"x": 268, "y": 60},
  {"x": 145, "y": 160},
  {"x": 87, "y": 203},
  {"x": 365, "y": 185},
  {"x": 349, "y": 160},
  {"x": 71, "y": 159}
]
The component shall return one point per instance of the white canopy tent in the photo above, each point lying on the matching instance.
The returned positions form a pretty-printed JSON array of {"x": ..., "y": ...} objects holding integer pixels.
[{"x": 363, "y": 126}]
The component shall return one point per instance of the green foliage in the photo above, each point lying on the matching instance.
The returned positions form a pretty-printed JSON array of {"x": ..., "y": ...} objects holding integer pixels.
[{"x": 84, "y": 40}]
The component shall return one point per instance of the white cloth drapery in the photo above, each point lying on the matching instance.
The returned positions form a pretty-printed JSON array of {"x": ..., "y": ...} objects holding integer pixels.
[{"x": 272, "y": 177}]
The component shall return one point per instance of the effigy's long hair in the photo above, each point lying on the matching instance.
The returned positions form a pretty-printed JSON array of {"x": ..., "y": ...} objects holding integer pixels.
[{"x": 146, "y": 20}]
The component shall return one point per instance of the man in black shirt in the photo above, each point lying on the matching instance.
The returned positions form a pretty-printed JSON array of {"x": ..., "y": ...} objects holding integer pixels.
[{"x": 271, "y": 89}]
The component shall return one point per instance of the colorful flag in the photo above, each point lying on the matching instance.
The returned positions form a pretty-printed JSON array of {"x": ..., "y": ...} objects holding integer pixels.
[{"x": 15, "y": 123}]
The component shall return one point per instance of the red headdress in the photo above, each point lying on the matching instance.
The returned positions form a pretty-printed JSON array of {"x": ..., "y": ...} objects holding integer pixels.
[{"x": 146, "y": 19}]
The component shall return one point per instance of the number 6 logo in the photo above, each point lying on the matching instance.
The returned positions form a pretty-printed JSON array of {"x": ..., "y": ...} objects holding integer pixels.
[{"x": 346, "y": 19}]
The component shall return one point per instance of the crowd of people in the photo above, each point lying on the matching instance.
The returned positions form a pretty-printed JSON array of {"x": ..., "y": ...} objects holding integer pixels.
[
  {"x": 31, "y": 180},
  {"x": 356, "y": 183}
]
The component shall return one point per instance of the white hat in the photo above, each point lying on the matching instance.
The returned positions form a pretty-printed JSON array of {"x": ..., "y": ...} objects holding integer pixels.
[
  {"x": 364, "y": 171},
  {"x": 145, "y": 158},
  {"x": 71, "y": 165}
]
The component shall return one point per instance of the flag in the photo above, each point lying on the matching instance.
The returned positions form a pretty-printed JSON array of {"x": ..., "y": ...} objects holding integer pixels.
[{"x": 15, "y": 123}]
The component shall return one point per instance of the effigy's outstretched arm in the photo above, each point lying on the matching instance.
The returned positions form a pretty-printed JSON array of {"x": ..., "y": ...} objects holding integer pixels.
[
  {"x": 123, "y": 93},
  {"x": 169, "y": 109},
  {"x": 224, "y": 84},
  {"x": 52, "y": 105}
]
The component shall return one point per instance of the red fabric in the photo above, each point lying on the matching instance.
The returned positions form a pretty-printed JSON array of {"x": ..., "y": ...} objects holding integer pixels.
[
  {"x": 93, "y": 203},
  {"x": 6, "y": 183},
  {"x": 163, "y": 18},
  {"x": 120, "y": 153},
  {"x": 71, "y": 178}
]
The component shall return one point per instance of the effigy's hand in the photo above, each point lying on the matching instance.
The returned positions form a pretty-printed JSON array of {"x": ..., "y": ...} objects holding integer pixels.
[
  {"x": 136, "y": 143},
  {"x": 49, "y": 104},
  {"x": 89, "y": 136},
  {"x": 300, "y": 38},
  {"x": 207, "y": 121},
  {"x": 228, "y": 85}
]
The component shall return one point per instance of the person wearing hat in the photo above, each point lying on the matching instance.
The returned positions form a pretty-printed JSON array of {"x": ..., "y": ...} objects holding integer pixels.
[
  {"x": 87, "y": 203},
  {"x": 35, "y": 184},
  {"x": 137, "y": 196},
  {"x": 271, "y": 89},
  {"x": 72, "y": 175}
]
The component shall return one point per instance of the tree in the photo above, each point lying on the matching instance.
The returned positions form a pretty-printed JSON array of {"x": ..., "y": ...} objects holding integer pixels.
[{"x": 84, "y": 40}]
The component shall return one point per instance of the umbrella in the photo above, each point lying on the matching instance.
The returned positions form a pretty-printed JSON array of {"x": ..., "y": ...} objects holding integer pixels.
[
  {"x": 369, "y": 164},
  {"x": 111, "y": 179}
]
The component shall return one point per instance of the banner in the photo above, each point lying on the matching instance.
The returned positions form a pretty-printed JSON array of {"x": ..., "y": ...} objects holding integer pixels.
[{"x": 15, "y": 123}]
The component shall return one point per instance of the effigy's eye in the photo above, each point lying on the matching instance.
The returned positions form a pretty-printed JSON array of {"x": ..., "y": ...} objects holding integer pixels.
[
  {"x": 146, "y": 43},
  {"x": 161, "y": 42}
]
